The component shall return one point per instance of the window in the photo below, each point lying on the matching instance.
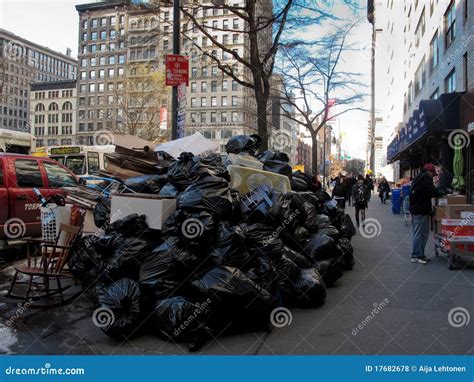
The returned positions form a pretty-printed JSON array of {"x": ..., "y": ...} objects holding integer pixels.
[
  {"x": 235, "y": 24},
  {"x": 101, "y": 87},
  {"x": 235, "y": 85},
  {"x": 213, "y": 117},
  {"x": 224, "y": 85},
  {"x": 204, "y": 86},
  {"x": 204, "y": 71},
  {"x": 193, "y": 87},
  {"x": 214, "y": 71},
  {"x": 435, "y": 94},
  {"x": 112, "y": 20},
  {"x": 224, "y": 116},
  {"x": 94, "y": 36},
  {"x": 112, "y": 33},
  {"x": 203, "y": 118},
  {"x": 92, "y": 74},
  {"x": 214, "y": 24},
  {"x": 434, "y": 52},
  {"x": 226, "y": 134},
  {"x": 193, "y": 118},
  {"x": 450, "y": 82},
  {"x": 213, "y": 101},
  {"x": 209, "y": 134},
  {"x": 203, "y": 101},
  {"x": 57, "y": 176},
  {"x": 193, "y": 102},
  {"x": 235, "y": 38},
  {"x": 235, "y": 116},
  {"x": 234, "y": 101},
  {"x": 84, "y": 37},
  {"x": 94, "y": 23},
  {"x": 27, "y": 173},
  {"x": 410, "y": 94},
  {"x": 420, "y": 29},
  {"x": 92, "y": 88},
  {"x": 103, "y": 35},
  {"x": 103, "y": 22},
  {"x": 83, "y": 75},
  {"x": 213, "y": 86},
  {"x": 224, "y": 101},
  {"x": 93, "y": 162},
  {"x": 450, "y": 24},
  {"x": 111, "y": 60},
  {"x": 121, "y": 59},
  {"x": 466, "y": 71},
  {"x": 101, "y": 73},
  {"x": 420, "y": 77}
]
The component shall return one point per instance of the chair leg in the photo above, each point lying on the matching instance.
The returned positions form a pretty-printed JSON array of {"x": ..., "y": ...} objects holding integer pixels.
[
  {"x": 30, "y": 286},
  {"x": 60, "y": 288},
  {"x": 12, "y": 285}
]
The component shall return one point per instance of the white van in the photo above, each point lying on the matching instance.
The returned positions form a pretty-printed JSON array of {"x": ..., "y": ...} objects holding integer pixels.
[{"x": 17, "y": 142}]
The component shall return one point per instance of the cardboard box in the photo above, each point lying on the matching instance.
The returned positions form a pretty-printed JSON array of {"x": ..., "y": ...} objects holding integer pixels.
[
  {"x": 453, "y": 211},
  {"x": 452, "y": 199},
  {"x": 155, "y": 208}
]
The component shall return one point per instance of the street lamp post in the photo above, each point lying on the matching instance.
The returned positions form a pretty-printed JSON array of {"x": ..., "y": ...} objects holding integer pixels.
[{"x": 176, "y": 50}]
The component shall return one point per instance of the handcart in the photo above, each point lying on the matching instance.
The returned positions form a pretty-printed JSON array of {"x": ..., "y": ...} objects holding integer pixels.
[{"x": 454, "y": 238}]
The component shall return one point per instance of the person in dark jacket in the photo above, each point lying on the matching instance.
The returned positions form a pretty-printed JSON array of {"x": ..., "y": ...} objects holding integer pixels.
[
  {"x": 422, "y": 190},
  {"x": 339, "y": 193},
  {"x": 360, "y": 196},
  {"x": 384, "y": 190},
  {"x": 370, "y": 185}
]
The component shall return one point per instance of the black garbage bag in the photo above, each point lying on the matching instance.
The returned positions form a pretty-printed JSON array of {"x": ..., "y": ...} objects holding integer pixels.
[
  {"x": 308, "y": 179},
  {"x": 166, "y": 268},
  {"x": 281, "y": 156},
  {"x": 311, "y": 223},
  {"x": 209, "y": 166},
  {"x": 83, "y": 260},
  {"x": 309, "y": 289},
  {"x": 209, "y": 194},
  {"x": 300, "y": 234},
  {"x": 102, "y": 213},
  {"x": 351, "y": 230},
  {"x": 323, "y": 221},
  {"x": 106, "y": 244},
  {"x": 320, "y": 246},
  {"x": 278, "y": 167},
  {"x": 193, "y": 228},
  {"x": 118, "y": 311},
  {"x": 241, "y": 144},
  {"x": 181, "y": 320},
  {"x": 230, "y": 247},
  {"x": 298, "y": 184},
  {"x": 261, "y": 239},
  {"x": 147, "y": 184},
  {"x": 345, "y": 247},
  {"x": 300, "y": 260},
  {"x": 286, "y": 273},
  {"x": 236, "y": 298},
  {"x": 179, "y": 171},
  {"x": 297, "y": 205},
  {"x": 330, "y": 269},
  {"x": 329, "y": 230},
  {"x": 126, "y": 259},
  {"x": 169, "y": 190},
  {"x": 263, "y": 205},
  {"x": 262, "y": 272},
  {"x": 130, "y": 226}
]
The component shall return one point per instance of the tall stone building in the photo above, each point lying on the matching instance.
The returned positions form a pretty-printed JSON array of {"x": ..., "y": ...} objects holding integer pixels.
[{"x": 23, "y": 62}]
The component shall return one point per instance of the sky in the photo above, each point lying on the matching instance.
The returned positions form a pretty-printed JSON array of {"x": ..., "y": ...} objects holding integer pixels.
[{"x": 54, "y": 23}]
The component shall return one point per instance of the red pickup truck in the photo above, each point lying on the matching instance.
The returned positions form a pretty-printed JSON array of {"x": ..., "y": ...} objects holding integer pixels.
[{"x": 19, "y": 205}]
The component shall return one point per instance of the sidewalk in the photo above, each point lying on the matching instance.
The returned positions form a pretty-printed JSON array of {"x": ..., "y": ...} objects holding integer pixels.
[{"x": 412, "y": 303}]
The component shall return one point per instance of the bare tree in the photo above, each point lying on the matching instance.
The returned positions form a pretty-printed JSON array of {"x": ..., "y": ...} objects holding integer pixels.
[
  {"x": 313, "y": 82},
  {"x": 139, "y": 103},
  {"x": 354, "y": 167}
]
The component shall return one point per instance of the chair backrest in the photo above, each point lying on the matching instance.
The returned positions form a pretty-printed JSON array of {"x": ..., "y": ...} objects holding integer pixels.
[{"x": 67, "y": 236}]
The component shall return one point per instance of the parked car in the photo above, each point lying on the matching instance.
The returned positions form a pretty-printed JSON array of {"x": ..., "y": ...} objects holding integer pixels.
[{"x": 19, "y": 205}]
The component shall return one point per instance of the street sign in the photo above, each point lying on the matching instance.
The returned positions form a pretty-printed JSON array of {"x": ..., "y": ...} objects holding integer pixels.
[
  {"x": 182, "y": 96},
  {"x": 177, "y": 70}
]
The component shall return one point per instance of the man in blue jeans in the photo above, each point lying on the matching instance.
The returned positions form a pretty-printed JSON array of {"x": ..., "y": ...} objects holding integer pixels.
[{"x": 422, "y": 190}]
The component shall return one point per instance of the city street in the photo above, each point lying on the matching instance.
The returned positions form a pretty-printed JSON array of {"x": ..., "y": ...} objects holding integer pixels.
[{"x": 413, "y": 315}]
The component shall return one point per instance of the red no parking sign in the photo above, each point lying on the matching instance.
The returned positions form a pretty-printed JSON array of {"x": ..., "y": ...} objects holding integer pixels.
[{"x": 177, "y": 70}]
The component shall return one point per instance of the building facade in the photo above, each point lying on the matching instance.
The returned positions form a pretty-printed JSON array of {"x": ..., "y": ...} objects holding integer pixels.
[
  {"x": 425, "y": 52},
  {"x": 53, "y": 113},
  {"x": 23, "y": 62}
]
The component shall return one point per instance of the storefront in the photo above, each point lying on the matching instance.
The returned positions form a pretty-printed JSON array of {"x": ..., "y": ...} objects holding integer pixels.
[{"x": 425, "y": 138}]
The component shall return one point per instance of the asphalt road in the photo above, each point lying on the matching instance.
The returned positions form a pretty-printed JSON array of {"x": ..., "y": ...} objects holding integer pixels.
[{"x": 421, "y": 309}]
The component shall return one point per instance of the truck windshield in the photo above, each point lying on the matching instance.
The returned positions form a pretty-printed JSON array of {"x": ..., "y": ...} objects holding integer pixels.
[{"x": 76, "y": 163}]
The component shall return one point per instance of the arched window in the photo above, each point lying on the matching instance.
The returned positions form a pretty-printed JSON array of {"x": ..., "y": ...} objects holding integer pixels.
[
  {"x": 133, "y": 25},
  {"x": 39, "y": 107},
  {"x": 147, "y": 23},
  {"x": 53, "y": 106},
  {"x": 67, "y": 105},
  {"x": 153, "y": 23},
  {"x": 140, "y": 24}
]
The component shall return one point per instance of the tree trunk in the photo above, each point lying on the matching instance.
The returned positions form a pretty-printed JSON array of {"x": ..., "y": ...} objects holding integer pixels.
[
  {"x": 314, "y": 151},
  {"x": 262, "y": 120}
]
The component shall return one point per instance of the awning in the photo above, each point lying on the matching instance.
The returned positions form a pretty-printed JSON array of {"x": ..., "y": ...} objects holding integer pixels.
[{"x": 431, "y": 117}]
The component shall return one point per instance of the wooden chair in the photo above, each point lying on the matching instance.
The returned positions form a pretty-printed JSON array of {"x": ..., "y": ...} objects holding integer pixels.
[{"x": 46, "y": 263}]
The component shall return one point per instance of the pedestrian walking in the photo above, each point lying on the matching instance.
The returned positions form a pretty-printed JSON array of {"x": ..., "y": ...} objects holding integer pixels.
[
  {"x": 370, "y": 185},
  {"x": 339, "y": 193},
  {"x": 384, "y": 190},
  {"x": 360, "y": 196},
  {"x": 422, "y": 190}
]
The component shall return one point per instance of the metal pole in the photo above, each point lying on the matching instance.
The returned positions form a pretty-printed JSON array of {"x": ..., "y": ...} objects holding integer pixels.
[
  {"x": 176, "y": 50},
  {"x": 324, "y": 157},
  {"x": 372, "y": 111}
]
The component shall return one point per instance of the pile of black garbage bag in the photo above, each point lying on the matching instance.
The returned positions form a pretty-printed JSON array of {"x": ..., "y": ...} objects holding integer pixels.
[{"x": 223, "y": 261}]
